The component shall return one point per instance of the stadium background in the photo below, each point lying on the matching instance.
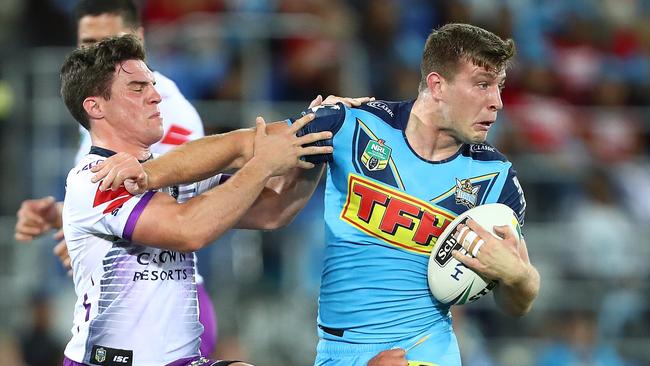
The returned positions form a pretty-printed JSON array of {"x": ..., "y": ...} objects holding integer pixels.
[{"x": 576, "y": 124}]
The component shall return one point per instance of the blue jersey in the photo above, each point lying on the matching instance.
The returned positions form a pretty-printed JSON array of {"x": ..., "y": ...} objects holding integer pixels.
[{"x": 385, "y": 207}]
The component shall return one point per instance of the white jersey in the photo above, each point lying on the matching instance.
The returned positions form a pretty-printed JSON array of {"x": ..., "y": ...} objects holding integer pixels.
[
  {"x": 181, "y": 122},
  {"x": 136, "y": 305}
]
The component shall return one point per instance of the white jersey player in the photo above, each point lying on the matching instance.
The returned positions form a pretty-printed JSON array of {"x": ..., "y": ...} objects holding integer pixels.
[
  {"x": 124, "y": 287},
  {"x": 132, "y": 255},
  {"x": 181, "y": 123}
]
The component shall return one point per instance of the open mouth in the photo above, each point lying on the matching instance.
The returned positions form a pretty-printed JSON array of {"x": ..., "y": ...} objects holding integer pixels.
[{"x": 485, "y": 125}]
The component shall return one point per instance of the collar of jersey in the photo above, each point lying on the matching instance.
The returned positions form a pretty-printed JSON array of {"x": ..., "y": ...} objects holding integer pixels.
[{"x": 96, "y": 150}]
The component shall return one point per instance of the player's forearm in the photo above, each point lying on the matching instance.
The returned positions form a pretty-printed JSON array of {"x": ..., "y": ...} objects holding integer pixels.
[
  {"x": 199, "y": 159},
  {"x": 208, "y": 216},
  {"x": 282, "y": 199},
  {"x": 517, "y": 298},
  {"x": 205, "y": 157}
]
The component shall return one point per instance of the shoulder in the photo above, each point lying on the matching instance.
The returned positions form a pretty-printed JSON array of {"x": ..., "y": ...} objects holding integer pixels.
[
  {"x": 483, "y": 152},
  {"x": 393, "y": 113},
  {"x": 80, "y": 191},
  {"x": 81, "y": 173}
]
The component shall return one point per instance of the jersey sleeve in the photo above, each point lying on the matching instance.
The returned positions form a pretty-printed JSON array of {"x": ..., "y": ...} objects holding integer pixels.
[
  {"x": 91, "y": 211},
  {"x": 187, "y": 191},
  {"x": 512, "y": 195},
  {"x": 329, "y": 117}
]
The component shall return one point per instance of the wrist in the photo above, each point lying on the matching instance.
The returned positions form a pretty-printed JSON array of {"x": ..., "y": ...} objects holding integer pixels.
[
  {"x": 520, "y": 278},
  {"x": 58, "y": 221},
  {"x": 149, "y": 180},
  {"x": 261, "y": 167}
]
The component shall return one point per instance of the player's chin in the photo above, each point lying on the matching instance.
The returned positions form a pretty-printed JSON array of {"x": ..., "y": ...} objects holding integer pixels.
[{"x": 478, "y": 138}]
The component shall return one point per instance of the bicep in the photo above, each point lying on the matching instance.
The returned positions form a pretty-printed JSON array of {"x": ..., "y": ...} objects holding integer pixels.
[{"x": 157, "y": 224}]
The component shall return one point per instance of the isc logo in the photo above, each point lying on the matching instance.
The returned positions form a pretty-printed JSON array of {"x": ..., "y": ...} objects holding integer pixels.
[{"x": 121, "y": 359}]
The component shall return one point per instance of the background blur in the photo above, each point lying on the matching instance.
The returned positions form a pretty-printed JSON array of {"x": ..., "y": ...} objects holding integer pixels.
[{"x": 576, "y": 125}]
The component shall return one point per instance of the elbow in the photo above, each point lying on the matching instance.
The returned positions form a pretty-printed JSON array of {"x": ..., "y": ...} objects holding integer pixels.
[
  {"x": 192, "y": 237},
  {"x": 279, "y": 221},
  {"x": 518, "y": 312},
  {"x": 197, "y": 239}
]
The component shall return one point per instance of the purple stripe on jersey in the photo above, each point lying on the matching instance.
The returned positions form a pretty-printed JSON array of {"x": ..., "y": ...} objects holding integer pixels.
[
  {"x": 69, "y": 362},
  {"x": 135, "y": 214},
  {"x": 208, "y": 318},
  {"x": 224, "y": 177}
]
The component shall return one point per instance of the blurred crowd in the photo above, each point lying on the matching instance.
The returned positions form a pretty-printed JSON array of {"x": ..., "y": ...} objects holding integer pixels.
[{"x": 576, "y": 124}]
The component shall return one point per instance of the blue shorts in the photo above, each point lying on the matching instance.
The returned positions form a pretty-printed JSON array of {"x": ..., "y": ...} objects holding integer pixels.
[{"x": 440, "y": 349}]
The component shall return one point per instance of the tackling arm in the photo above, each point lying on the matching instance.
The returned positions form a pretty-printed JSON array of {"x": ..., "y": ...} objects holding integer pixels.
[
  {"x": 195, "y": 223},
  {"x": 282, "y": 199}
]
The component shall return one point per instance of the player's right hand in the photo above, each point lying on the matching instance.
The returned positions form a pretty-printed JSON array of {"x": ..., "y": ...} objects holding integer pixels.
[
  {"x": 36, "y": 217},
  {"x": 391, "y": 357},
  {"x": 282, "y": 151},
  {"x": 121, "y": 169}
]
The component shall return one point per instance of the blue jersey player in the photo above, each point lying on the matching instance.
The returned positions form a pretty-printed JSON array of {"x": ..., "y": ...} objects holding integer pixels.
[{"x": 400, "y": 172}]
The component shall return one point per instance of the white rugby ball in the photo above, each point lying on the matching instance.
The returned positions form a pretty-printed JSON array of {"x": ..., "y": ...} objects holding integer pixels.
[{"x": 450, "y": 281}]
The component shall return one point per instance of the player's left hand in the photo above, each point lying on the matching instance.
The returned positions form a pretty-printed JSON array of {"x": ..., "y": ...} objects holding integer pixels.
[
  {"x": 121, "y": 169},
  {"x": 332, "y": 99},
  {"x": 391, "y": 357},
  {"x": 503, "y": 259}
]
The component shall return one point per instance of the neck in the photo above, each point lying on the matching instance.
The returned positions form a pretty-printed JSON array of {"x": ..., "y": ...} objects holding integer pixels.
[
  {"x": 425, "y": 132},
  {"x": 139, "y": 151}
]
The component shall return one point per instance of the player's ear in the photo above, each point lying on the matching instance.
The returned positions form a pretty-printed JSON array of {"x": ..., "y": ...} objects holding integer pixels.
[
  {"x": 93, "y": 107},
  {"x": 435, "y": 84}
]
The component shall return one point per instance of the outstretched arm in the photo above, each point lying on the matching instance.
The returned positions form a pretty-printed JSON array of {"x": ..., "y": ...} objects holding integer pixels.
[
  {"x": 191, "y": 225},
  {"x": 202, "y": 158}
]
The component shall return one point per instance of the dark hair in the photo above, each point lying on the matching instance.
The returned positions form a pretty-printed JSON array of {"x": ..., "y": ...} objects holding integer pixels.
[
  {"x": 452, "y": 43},
  {"x": 89, "y": 71},
  {"x": 125, "y": 8}
]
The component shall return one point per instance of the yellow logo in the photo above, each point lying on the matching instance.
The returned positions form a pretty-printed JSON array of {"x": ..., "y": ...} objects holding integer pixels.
[{"x": 393, "y": 216}]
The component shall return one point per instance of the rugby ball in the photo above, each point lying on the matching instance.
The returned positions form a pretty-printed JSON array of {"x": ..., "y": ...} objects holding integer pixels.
[{"x": 450, "y": 281}]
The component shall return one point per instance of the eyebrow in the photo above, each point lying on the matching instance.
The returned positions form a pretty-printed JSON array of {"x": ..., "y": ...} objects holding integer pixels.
[
  {"x": 140, "y": 83},
  {"x": 487, "y": 74},
  {"x": 88, "y": 40}
]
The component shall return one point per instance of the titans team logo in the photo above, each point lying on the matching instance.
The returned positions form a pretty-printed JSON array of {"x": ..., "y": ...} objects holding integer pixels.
[
  {"x": 466, "y": 193},
  {"x": 376, "y": 155}
]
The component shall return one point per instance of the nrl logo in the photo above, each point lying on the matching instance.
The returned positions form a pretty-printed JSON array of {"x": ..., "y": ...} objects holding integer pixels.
[
  {"x": 100, "y": 355},
  {"x": 466, "y": 193},
  {"x": 376, "y": 155}
]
